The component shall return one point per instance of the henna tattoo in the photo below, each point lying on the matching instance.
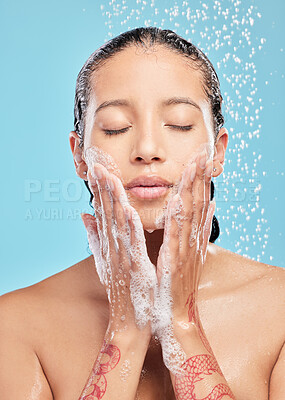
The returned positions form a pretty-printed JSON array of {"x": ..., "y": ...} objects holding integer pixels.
[
  {"x": 96, "y": 387},
  {"x": 196, "y": 368},
  {"x": 190, "y": 302}
]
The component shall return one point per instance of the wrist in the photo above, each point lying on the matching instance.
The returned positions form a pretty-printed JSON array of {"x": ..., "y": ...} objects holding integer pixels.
[
  {"x": 128, "y": 333},
  {"x": 183, "y": 328},
  {"x": 187, "y": 316}
]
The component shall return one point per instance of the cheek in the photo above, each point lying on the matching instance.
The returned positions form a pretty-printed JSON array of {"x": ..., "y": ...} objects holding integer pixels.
[
  {"x": 184, "y": 152},
  {"x": 94, "y": 155}
]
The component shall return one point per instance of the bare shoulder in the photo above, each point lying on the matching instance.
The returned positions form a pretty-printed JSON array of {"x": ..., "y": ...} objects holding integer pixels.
[
  {"x": 244, "y": 268},
  {"x": 23, "y": 308},
  {"x": 36, "y": 318},
  {"x": 262, "y": 283}
]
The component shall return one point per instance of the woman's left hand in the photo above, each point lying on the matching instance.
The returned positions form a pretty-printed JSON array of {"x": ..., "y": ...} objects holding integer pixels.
[{"x": 186, "y": 234}]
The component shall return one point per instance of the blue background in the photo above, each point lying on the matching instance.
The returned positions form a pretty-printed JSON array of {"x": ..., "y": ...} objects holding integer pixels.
[{"x": 44, "y": 45}]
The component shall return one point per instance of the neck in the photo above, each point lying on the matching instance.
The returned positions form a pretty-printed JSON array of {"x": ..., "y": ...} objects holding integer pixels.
[{"x": 153, "y": 242}]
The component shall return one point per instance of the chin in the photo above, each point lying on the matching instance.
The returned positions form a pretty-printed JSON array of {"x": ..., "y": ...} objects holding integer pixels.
[
  {"x": 154, "y": 223},
  {"x": 152, "y": 213}
]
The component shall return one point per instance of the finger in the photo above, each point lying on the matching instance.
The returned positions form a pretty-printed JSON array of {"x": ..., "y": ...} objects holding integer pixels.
[
  {"x": 101, "y": 261},
  {"x": 199, "y": 189},
  {"x": 142, "y": 271},
  {"x": 91, "y": 226},
  {"x": 96, "y": 201},
  {"x": 207, "y": 195},
  {"x": 97, "y": 179},
  {"x": 199, "y": 206},
  {"x": 171, "y": 233},
  {"x": 121, "y": 223},
  {"x": 186, "y": 194},
  {"x": 92, "y": 233},
  {"x": 115, "y": 220},
  {"x": 140, "y": 259},
  {"x": 207, "y": 229},
  {"x": 201, "y": 253},
  {"x": 94, "y": 176},
  {"x": 105, "y": 195},
  {"x": 89, "y": 222}
]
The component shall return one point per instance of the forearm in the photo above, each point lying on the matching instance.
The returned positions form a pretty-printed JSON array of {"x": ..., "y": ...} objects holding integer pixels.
[
  {"x": 202, "y": 376},
  {"x": 117, "y": 370}
]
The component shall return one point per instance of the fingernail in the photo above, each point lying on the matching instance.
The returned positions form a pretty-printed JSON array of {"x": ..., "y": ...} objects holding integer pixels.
[
  {"x": 202, "y": 162},
  {"x": 193, "y": 172}
]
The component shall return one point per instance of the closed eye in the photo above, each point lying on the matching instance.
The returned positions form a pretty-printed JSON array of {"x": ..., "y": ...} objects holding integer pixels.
[
  {"x": 114, "y": 131},
  {"x": 182, "y": 128},
  {"x": 118, "y": 131}
]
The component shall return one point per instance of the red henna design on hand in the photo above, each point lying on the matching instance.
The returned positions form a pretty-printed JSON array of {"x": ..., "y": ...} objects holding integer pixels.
[
  {"x": 190, "y": 302},
  {"x": 195, "y": 370},
  {"x": 108, "y": 358}
]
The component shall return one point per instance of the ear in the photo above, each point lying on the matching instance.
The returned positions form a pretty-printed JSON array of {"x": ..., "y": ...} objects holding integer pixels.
[
  {"x": 220, "y": 150},
  {"x": 80, "y": 165}
]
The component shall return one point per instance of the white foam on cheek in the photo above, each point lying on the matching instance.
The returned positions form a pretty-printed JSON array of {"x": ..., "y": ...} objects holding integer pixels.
[{"x": 94, "y": 155}]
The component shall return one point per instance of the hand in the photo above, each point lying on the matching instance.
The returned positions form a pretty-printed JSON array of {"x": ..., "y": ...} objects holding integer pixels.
[
  {"x": 186, "y": 235},
  {"x": 117, "y": 241}
]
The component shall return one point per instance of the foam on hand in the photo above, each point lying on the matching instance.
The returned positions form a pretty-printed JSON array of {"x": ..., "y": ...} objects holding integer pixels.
[
  {"x": 173, "y": 354},
  {"x": 142, "y": 275}
]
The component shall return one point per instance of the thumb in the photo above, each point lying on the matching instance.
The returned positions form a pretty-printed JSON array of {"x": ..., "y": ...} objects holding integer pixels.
[{"x": 89, "y": 222}]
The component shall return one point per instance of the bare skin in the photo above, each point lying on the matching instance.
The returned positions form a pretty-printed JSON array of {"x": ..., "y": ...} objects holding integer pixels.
[{"x": 53, "y": 332}]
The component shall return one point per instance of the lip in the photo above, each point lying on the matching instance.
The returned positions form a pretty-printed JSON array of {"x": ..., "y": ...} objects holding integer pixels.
[
  {"x": 148, "y": 186},
  {"x": 148, "y": 180}
]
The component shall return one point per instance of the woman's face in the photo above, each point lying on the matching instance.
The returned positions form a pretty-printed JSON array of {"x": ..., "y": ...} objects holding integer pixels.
[{"x": 155, "y": 91}]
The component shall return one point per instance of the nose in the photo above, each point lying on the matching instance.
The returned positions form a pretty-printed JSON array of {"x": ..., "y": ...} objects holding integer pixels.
[{"x": 147, "y": 146}]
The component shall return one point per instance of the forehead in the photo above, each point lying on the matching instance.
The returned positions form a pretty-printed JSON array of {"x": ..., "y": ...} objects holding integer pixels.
[{"x": 156, "y": 71}]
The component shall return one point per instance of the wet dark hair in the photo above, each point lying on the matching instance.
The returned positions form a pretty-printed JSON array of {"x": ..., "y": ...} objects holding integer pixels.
[{"x": 146, "y": 37}]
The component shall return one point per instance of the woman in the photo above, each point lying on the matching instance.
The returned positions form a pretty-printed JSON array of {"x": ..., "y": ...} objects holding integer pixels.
[{"x": 158, "y": 311}]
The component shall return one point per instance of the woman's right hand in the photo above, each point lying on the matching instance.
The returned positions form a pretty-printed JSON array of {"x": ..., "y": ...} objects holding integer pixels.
[{"x": 116, "y": 239}]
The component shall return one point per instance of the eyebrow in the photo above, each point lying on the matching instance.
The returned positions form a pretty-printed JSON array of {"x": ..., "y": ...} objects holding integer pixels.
[{"x": 167, "y": 102}]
